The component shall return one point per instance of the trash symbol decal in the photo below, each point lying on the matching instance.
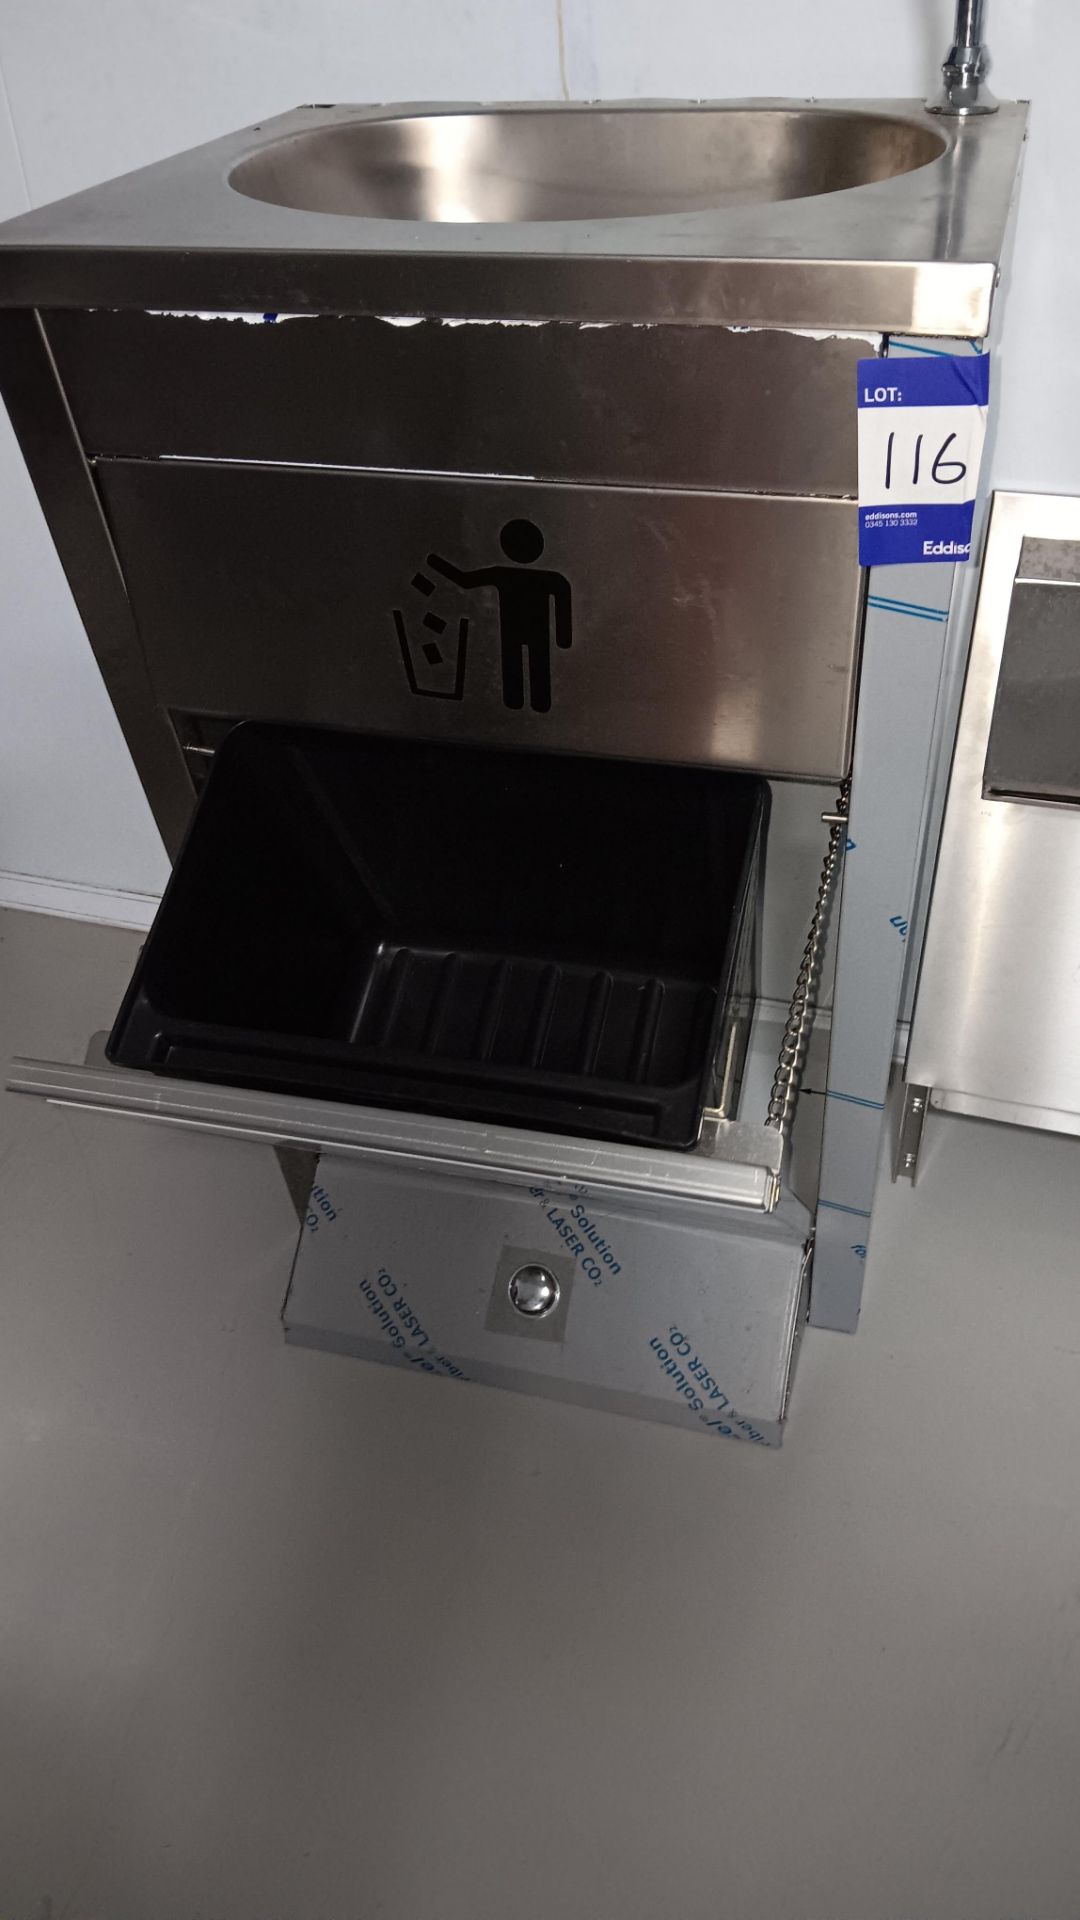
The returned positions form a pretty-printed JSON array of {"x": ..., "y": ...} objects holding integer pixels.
[{"x": 534, "y": 606}]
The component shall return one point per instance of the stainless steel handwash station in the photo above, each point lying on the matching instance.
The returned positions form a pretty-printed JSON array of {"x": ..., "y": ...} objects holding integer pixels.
[{"x": 524, "y": 435}]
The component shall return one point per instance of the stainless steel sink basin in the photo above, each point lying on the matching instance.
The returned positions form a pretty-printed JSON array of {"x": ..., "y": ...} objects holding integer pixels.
[{"x": 517, "y": 164}]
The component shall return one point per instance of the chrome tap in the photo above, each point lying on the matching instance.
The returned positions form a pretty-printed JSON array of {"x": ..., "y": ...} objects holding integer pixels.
[{"x": 963, "y": 73}]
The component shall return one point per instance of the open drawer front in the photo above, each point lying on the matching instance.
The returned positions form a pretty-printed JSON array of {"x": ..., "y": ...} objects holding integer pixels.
[
  {"x": 603, "y": 1004},
  {"x": 681, "y": 1276}
]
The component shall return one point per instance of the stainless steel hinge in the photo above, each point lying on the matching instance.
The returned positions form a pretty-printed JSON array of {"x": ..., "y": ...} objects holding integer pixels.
[{"x": 912, "y": 1115}]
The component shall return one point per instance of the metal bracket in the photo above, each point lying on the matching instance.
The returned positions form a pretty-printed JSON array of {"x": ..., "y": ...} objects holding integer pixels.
[{"x": 912, "y": 1114}]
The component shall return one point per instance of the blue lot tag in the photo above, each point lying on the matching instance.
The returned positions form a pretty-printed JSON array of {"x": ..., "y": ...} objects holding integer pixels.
[{"x": 922, "y": 423}]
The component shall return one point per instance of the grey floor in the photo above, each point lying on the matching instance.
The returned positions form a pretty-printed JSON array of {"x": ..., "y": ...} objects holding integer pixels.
[{"x": 287, "y": 1637}]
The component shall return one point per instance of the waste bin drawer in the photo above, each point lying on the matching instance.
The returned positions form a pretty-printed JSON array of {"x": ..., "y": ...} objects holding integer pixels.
[{"x": 542, "y": 940}]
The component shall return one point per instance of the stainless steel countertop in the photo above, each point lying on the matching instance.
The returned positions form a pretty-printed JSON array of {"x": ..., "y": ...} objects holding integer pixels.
[{"x": 916, "y": 253}]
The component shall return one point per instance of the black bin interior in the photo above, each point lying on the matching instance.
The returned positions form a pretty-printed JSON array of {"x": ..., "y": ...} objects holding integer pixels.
[{"x": 543, "y": 940}]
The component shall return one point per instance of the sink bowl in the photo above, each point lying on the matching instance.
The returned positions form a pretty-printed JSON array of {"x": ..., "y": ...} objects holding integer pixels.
[{"x": 594, "y": 163}]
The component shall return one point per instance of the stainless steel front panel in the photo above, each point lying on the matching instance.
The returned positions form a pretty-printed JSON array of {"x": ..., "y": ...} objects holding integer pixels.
[
  {"x": 653, "y": 624},
  {"x": 996, "y": 1014},
  {"x": 666, "y": 1313},
  {"x": 751, "y": 411}
]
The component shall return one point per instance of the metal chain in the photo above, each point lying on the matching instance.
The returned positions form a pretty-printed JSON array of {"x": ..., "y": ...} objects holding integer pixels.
[{"x": 785, "y": 1087}]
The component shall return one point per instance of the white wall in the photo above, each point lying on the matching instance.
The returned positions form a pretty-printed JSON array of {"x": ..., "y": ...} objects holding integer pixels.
[{"x": 90, "y": 91}]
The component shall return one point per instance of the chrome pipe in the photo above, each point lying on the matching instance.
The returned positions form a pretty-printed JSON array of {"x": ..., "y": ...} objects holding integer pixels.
[
  {"x": 963, "y": 90},
  {"x": 968, "y": 23}
]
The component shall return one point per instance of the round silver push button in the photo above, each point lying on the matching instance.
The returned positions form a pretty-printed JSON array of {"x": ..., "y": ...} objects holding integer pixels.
[{"x": 534, "y": 1291}]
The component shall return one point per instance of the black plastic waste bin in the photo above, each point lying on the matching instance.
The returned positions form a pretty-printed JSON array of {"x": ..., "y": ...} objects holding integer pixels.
[{"x": 550, "y": 941}]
